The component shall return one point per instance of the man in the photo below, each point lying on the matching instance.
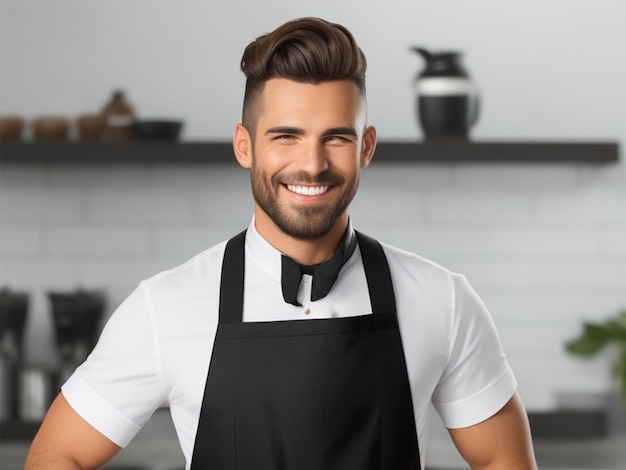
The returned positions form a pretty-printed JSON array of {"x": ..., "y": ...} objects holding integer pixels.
[{"x": 334, "y": 367}]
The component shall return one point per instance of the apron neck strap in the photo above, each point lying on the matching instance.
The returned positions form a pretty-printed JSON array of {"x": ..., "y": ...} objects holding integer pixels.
[
  {"x": 377, "y": 273},
  {"x": 231, "y": 285}
]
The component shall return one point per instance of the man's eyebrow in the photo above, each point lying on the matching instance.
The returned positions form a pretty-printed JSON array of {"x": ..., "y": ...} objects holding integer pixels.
[
  {"x": 341, "y": 131},
  {"x": 285, "y": 130}
]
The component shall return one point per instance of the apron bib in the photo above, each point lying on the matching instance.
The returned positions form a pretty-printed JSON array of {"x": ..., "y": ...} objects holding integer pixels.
[{"x": 307, "y": 394}]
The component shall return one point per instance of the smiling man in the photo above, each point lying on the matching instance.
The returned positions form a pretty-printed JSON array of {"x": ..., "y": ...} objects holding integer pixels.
[
  {"x": 311, "y": 142},
  {"x": 300, "y": 343}
]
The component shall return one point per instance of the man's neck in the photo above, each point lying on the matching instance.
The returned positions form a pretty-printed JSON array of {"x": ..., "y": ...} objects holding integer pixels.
[{"x": 307, "y": 252}]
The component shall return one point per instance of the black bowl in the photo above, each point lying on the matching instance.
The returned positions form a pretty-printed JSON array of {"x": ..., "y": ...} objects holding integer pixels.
[{"x": 158, "y": 129}]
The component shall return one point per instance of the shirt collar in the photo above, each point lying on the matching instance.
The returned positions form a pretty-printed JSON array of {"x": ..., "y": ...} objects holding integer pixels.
[{"x": 266, "y": 256}]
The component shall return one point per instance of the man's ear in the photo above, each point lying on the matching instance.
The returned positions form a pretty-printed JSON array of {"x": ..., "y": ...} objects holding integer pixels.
[
  {"x": 242, "y": 145},
  {"x": 368, "y": 146}
]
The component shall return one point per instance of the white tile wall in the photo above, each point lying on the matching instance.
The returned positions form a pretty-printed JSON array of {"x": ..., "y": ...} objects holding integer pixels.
[
  {"x": 139, "y": 205},
  {"x": 581, "y": 207},
  {"x": 544, "y": 245},
  {"x": 97, "y": 176},
  {"x": 613, "y": 242},
  {"x": 98, "y": 242},
  {"x": 179, "y": 243},
  {"x": 24, "y": 274},
  {"x": 43, "y": 204},
  {"x": 21, "y": 242}
]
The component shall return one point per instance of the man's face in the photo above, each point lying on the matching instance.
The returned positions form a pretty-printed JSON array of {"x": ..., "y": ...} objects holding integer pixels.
[{"x": 307, "y": 155}]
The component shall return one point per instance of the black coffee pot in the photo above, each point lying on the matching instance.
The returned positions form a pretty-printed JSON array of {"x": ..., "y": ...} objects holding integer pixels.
[{"x": 447, "y": 100}]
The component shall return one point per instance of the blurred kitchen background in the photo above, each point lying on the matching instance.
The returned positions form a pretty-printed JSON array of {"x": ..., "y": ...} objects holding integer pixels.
[{"x": 543, "y": 243}]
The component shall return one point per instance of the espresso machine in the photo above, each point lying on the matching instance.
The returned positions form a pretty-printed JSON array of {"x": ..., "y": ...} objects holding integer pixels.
[
  {"x": 13, "y": 312},
  {"x": 76, "y": 322}
]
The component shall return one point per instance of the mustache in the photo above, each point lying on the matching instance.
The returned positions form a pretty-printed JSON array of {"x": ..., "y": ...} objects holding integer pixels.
[{"x": 326, "y": 178}]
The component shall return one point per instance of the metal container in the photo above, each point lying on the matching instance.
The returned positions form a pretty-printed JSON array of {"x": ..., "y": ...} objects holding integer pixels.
[{"x": 37, "y": 388}]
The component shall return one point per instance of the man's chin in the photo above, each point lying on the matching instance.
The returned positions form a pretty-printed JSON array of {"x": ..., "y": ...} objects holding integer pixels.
[{"x": 306, "y": 226}]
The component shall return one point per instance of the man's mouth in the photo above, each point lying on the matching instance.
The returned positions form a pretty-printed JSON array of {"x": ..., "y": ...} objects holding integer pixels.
[{"x": 307, "y": 190}]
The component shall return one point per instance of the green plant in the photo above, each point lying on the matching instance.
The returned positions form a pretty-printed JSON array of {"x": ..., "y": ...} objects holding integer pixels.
[{"x": 596, "y": 336}]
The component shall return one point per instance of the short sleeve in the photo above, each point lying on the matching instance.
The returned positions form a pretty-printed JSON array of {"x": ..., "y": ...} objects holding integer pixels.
[
  {"x": 120, "y": 384},
  {"x": 477, "y": 381}
]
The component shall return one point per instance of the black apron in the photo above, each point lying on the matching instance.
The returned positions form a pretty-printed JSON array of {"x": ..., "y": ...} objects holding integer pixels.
[{"x": 307, "y": 394}]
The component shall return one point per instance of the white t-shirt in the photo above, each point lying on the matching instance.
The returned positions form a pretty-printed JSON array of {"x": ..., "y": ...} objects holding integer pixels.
[{"x": 155, "y": 349}]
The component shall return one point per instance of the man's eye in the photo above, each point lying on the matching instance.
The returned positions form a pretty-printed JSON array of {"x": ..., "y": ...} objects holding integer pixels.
[
  {"x": 283, "y": 137},
  {"x": 337, "y": 138}
]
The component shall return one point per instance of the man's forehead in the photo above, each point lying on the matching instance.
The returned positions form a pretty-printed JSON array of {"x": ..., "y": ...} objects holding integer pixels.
[{"x": 332, "y": 96}]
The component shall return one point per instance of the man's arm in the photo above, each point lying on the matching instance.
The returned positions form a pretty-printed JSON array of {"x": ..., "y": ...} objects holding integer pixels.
[
  {"x": 501, "y": 442},
  {"x": 66, "y": 441}
]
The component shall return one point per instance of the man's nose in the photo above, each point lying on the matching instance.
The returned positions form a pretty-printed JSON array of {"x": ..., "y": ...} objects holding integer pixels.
[{"x": 314, "y": 158}]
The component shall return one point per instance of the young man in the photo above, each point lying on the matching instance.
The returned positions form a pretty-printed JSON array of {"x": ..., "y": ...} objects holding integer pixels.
[{"x": 300, "y": 343}]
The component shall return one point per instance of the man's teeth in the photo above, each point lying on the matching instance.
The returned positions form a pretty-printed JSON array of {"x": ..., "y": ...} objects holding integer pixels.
[{"x": 307, "y": 190}]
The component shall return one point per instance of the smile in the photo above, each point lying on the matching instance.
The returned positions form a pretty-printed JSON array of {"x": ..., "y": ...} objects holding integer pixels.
[{"x": 307, "y": 190}]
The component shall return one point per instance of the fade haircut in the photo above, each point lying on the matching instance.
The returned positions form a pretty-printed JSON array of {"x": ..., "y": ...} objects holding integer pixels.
[{"x": 306, "y": 50}]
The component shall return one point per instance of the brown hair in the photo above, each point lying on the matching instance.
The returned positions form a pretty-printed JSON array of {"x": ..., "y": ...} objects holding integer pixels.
[{"x": 307, "y": 50}]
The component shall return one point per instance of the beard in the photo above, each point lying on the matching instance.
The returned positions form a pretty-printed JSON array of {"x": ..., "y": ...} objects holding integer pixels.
[{"x": 302, "y": 222}]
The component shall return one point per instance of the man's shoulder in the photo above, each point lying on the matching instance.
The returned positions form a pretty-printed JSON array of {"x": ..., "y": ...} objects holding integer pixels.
[
  {"x": 420, "y": 275},
  {"x": 400, "y": 257}
]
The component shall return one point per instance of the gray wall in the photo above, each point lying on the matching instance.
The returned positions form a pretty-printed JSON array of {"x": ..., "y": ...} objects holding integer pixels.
[{"x": 545, "y": 245}]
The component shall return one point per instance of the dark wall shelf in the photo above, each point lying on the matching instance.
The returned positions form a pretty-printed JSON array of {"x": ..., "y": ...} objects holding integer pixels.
[{"x": 19, "y": 153}]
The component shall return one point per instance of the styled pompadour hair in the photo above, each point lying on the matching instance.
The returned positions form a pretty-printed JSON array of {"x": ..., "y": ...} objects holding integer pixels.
[{"x": 306, "y": 50}]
